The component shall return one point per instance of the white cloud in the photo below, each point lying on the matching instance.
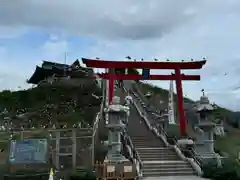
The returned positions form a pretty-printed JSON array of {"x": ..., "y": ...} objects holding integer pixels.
[
  {"x": 12, "y": 32},
  {"x": 131, "y": 19},
  {"x": 54, "y": 49},
  {"x": 143, "y": 29}
]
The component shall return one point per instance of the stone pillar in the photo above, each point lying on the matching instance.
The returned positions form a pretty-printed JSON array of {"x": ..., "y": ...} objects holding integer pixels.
[{"x": 211, "y": 142}]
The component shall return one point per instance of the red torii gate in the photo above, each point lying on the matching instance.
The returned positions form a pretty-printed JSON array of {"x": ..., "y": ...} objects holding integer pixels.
[{"x": 178, "y": 77}]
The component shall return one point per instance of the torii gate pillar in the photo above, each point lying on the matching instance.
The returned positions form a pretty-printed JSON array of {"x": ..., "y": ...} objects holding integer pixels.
[
  {"x": 182, "y": 117},
  {"x": 111, "y": 84}
]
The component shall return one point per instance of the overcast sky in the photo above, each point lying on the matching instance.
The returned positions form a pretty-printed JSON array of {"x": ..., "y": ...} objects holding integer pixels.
[{"x": 36, "y": 30}]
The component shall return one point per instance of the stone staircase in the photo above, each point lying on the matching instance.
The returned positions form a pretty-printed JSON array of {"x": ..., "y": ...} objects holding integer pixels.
[
  {"x": 158, "y": 160},
  {"x": 162, "y": 161},
  {"x": 167, "y": 168}
]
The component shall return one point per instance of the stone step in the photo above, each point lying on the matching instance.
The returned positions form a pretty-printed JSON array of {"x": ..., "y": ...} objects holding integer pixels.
[
  {"x": 164, "y": 162},
  {"x": 170, "y": 169},
  {"x": 143, "y": 137},
  {"x": 167, "y": 173},
  {"x": 146, "y": 140},
  {"x": 152, "y": 143},
  {"x": 166, "y": 166},
  {"x": 158, "y": 158},
  {"x": 146, "y": 135},
  {"x": 144, "y": 145},
  {"x": 156, "y": 149},
  {"x": 156, "y": 153}
]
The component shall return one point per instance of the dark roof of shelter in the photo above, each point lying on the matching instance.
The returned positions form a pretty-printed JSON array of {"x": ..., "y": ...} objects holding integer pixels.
[
  {"x": 60, "y": 65},
  {"x": 49, "y": 69},
  {"x": 54, "y": 63},
  {"x": 39, "y": 75}
]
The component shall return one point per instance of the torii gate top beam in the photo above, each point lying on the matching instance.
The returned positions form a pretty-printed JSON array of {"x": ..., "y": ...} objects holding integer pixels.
[{"x": 141, "y": 65}]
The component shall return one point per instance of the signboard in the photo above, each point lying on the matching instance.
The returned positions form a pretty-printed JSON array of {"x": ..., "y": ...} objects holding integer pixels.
[
  {"x": 28, "y": 151},
  {"x": 145, "y": 73},
  {"x": 128, "y": 169},
  {"x": 110, "y": 169}
]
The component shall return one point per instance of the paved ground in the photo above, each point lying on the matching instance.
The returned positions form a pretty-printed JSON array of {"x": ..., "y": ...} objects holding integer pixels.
[{"x": 175, "y": 178}]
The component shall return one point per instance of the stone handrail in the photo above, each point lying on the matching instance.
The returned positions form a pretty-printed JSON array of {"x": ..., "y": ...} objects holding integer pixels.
[
  {"x": 142, "y": 96},
  {"x": 133, "y": 153},
  {"x": 190, "y": 151},
  {"x": 163, "y": 135},
  {"x": 136, "y": 157}
]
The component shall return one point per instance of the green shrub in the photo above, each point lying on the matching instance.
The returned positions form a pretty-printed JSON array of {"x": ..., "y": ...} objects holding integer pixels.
[
  {"x": 101, "y": 152},
  {"x": 229, "y": 170},
  {"x": 83, "y": 174}
]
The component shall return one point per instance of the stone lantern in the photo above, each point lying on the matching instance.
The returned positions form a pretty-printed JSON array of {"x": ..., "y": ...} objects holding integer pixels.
[
  {"x": 117, "y": 114},
  {"x": 204, "y": 128}
]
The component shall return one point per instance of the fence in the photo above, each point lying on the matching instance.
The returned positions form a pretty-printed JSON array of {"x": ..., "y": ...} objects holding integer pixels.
[{"x": 68, "y": 147}]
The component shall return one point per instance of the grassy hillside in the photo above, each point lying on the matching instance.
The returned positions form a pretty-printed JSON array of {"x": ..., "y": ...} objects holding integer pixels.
[
  {"x": 51, "y": 104},
  {"x": 159, "y": 99},
  {"x": 230, "y": 144}
]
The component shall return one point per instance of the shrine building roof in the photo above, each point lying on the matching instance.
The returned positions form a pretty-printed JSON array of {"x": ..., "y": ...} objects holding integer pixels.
[{"x": 49, "y": 69}]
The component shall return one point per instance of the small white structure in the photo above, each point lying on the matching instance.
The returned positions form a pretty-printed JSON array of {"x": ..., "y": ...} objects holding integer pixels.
[{"x": 171, "y": 115}]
